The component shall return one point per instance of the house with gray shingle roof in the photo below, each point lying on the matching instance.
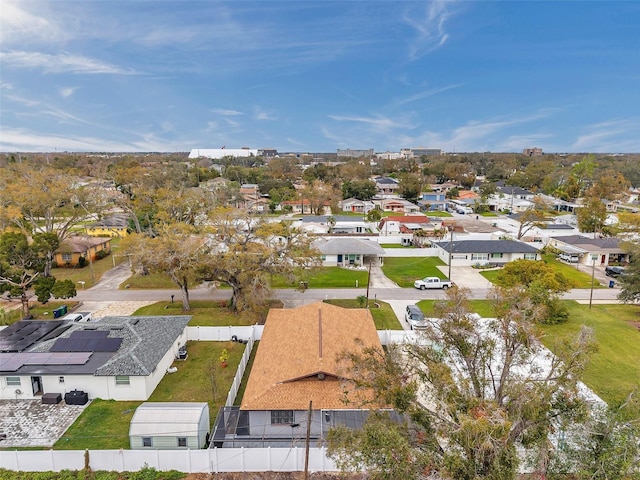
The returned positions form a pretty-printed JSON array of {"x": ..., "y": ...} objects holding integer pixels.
[
  {"x": 482, "y": 252},
  {"x": 119, "y": 358},
  {"x": 342, "y": 252}
]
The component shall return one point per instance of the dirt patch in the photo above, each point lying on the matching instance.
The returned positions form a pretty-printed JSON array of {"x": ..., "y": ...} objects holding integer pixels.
[{"x": 636, "y": 325}]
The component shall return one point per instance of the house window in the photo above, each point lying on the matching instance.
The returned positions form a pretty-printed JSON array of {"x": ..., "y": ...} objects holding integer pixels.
[
  {"x": 497, "y": 255},
  {"x": 122, "y": 380},
  {"x": 281, "y": 417},
  {"x": 13, "y": 381},
  {"x": 66, "y": 257},
  {"x": 146, "y": 442},
  {"x": 60, "y": 379},
  {"x": 182, "y": 441},
  {"x": 530, "y": 256},
  {"x": 479, "y": 256},
  {"x": 323, "y": 257}
]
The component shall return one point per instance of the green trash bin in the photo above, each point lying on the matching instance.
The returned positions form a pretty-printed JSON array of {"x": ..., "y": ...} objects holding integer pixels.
[{"x": 60, "y": 311}]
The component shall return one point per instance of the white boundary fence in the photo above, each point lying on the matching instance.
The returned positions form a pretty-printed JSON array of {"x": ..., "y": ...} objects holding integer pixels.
[
  {"x": 188, "y": 461},
  {"x": 191, "y": 461}
]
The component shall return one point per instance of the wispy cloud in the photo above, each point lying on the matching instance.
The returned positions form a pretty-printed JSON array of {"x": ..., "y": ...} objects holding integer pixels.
[
  {"x": 609, "y": 136},
  {"x": 20, "y": 26},
  {"x": 263, "y": 115},
  {"x": 378, "y": 122},
  {"x": 61, "y": 63},
  {"x": 425, "y": 94},
  {"x": 429, "y": 27},
  {"x": 226, "y": 112},
  {"x": 67, "y": 92}
]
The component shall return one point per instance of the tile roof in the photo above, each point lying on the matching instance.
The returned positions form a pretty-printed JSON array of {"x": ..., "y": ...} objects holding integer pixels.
[{"x": 296, "y": 360}]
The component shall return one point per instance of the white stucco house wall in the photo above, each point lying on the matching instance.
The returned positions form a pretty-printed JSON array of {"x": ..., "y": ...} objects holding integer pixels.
[
  {"x": 119, "y": 358},
  {"x": 495, "y": 252},
  {"x": 169, "y": 426}
]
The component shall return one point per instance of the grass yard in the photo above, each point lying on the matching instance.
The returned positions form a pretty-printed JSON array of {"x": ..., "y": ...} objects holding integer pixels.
[
  {"x": 104, "y": 424},
  {"x": 405, "y": 271},
  {"x": 37, "y": 310},
  {"x": 488, "y": 214},
  {"x": 581, "y": 279},
  {"x": 326, "y": 277},
  {"x": 438, "y": 213},
  {"x": 152, "y": 281},
  {"x": 206, "y": 313},
  {"x": 615, "y": 368},
  {"x": 484, "y": 308},
  {"x": 382, "y": 313}
]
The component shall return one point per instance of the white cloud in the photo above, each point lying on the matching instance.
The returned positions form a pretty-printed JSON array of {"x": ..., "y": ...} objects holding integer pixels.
[
  {"x": 67, "y": 92},
  {"x": 19, "y": 26},
  {"x": 609, "y": 136},
  {"x": 226, "y": 112},
  {"x": 425, "y": 94},
  {"x": 60, "y": 63},
  {"x": 262, "y": 115},
  {"x": 378, "y": 122},
  {"x": 429, "y": 27}
]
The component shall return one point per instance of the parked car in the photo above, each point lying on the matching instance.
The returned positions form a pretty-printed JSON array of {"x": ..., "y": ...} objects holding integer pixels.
[
  {"x": 613, "y": 271},
  {"x": 78, "y": 317},
  {"x": 414, "y": 317}
]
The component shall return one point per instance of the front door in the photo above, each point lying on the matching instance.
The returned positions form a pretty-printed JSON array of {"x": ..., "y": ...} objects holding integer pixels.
[
  {"x": 603, "y": 259},
  {"x": 36, "y": 384},
  {"x": 339, "y": 259}
]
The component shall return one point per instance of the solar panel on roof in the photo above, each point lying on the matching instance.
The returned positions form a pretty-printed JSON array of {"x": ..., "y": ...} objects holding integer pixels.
[
  {"x": 10, "y": 362},
  {"x": 21, "y": 335},
  {"x": 86, "y": 345}
]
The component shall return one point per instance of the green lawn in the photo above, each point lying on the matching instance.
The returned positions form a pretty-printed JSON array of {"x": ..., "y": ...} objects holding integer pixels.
[
  {"x": 205, "y": 313},
  {"x": 37, "y": 310},
  {"x": 326, "y": 277},
  {"x": 404, "y": 271},
  {"x": 104, "y": 424},
  {"x": 580, "y": 279},
  {"x": 615, "y": 368},
  {"x": 382, "y": 313},
  {"x": 488, "y": 214},
  {"x": 438, "y": 213},
  {"x": 484, "y": 308}
]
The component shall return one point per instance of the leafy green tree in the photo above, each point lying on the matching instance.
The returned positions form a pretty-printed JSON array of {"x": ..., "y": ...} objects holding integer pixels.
[
  {"x": 543, "y": 283},
  {"x": 374, "y": 215},
  {"x": 22, "y": 266},
  {"x": 360, "y": 189},
  {"x": 409, "y": 186},
  {"x": 592, "y": 215},
  {"x": 630, "y": 281},
  {"x": 473, "y": 391}
]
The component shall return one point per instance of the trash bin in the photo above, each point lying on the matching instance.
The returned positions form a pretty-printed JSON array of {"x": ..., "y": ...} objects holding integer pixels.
[
  {"x": 60, "y": 311},
  {"x": 611, "y": 283}
]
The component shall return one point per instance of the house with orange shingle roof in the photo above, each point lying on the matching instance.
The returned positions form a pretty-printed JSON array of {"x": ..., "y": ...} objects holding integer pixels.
[{"x": 297, "y": 363}]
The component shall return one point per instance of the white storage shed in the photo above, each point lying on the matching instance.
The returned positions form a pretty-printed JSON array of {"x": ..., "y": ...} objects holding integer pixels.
[{"x": 169, "y": 425}]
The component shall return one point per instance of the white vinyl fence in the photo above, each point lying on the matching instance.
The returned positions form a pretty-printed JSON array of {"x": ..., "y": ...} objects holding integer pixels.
[{"x": 188, "y": 461}]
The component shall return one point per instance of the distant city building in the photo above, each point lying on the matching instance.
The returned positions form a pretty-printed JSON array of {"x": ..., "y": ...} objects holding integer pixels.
[
  {"x": 418, "y": 152},
  {"x": 389, "y": 155},
  {"x": 532, "y": 152},
  {"x": 355, "y": 153},
  {"x": 268, "y": 152},
  {"x": 222, "y": 152}
]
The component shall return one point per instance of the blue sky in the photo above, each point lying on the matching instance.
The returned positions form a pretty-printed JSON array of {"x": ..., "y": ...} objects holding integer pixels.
[{"x": 318, "y": 76}]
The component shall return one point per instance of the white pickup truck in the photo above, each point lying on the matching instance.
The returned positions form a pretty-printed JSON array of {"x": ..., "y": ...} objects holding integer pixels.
[{"x": 432, "y": 282}]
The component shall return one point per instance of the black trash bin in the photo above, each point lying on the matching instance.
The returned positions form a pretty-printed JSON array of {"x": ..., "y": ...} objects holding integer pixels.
[{"x": 611, "y": 283}]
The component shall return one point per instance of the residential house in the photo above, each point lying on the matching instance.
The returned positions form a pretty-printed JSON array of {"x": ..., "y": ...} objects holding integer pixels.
[
  {"x": 409, "y": 224},
  {"x": 356, "y": 206},
  {"x": 298, "y": 367},
  {"x": 169, "y": 426},
  {"x": 493, "y": 252},
  {"x": 396, "y": 205},
  {"x": 115, "y": 226},
  {"x": 342, "y": 252},
  {"x": 119, "y": 358},
  {"x": 303, "y": 205},
  {"x": 386, "y": 187},
  {"x": 323, "y": 224},
  {"x": 433, "y": 201},
  {"x": 88, "y": 248},
  {"x": 601, "y": 251}
]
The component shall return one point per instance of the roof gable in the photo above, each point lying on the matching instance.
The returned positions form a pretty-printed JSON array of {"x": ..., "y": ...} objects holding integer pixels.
[{"x": 297, "y": 357}]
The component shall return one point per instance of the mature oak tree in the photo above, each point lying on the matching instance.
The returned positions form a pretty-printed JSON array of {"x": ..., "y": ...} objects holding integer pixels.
[{"x": 474, "y": 391}]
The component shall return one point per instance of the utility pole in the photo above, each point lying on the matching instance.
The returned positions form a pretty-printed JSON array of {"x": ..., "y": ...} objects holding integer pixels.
[
  {"x": 450, "y": 249},
  {"x": 368, "y": 282},
  {"x": 306, "y": 447},
  {"x": 593, "y": 272}
]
